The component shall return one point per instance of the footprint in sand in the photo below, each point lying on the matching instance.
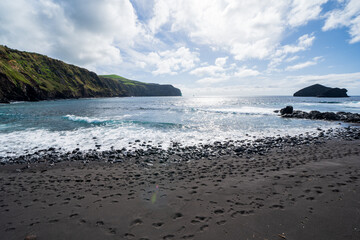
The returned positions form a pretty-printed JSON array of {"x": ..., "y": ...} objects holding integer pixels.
[
  {"x": 278, "y": 206},
  {"x": 177, "y": 216},
  {"x": 242, "y": 212},
  {"x": 200, "y": 218},
  {"x": 100, "y": 223},
  {"x": 222, "y": 222},
  {"x": 112, "y": 230},
  {"x": 190, "y": 236},
  {"x": 137, "y": 221},
  {"x": 158, "y": 224},
  {"x": 129, "y": 236},
  {"x": 219, "y": 211},
  {"x": 33, "y": 223},
  {"x": 195, "y": 221},
  {"x": 204, "y": 227},
  {"x": 169, "y": 236}
]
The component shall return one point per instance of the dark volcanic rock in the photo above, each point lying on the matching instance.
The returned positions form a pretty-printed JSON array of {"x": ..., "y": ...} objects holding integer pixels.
[
  {"x": 286, "y": 110},
  {"x": 318, "y": 90},
  {"x": 4, "y": 101},
  {"x": 316, "y": 115}
]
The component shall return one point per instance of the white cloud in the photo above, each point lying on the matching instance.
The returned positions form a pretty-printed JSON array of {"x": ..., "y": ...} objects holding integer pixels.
[
  {"x": 304, "y": 10},
  {"x": 246, "y": 72},
  {"x": 211, "y": 70},
  {"x": 246, "y": 29},
  {"x": 304, "y": 42},
  {"x": 347, "y": 17},
  {"x": 291, "y": 59},
  {"x": 217, "y": 70},
  {"x": 302, "y": 65},
  {"x": 171, "y": 61},
  {"x": 84, "y": 33},
  {"x": 220, "y": 72},
  {"x": 221, "y": 61}
]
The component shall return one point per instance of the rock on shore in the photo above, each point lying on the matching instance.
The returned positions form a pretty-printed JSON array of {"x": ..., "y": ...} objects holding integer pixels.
[{"x": 348, "y": 117}]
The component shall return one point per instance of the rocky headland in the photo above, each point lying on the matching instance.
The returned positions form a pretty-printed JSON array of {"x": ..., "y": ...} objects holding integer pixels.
[
  {"x": 28, "y": 76},
  {"x": 318, "y": 90}
]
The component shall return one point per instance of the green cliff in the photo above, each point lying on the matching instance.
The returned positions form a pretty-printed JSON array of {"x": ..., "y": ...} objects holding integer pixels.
[
  {"x": 135, "y": 88},
  {"x": 28, "y": 76}
]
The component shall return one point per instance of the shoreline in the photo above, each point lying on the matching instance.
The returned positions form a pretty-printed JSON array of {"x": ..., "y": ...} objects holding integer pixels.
[
  {"x": 179, "y": 153},
  {"x": 296, "y": 188}
]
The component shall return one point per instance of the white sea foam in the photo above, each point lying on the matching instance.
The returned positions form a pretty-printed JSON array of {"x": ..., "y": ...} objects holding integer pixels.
[
  {"x": 92, "y": 120},
  {"x": 85, "y": 119},
  {"x": 31, "y": 140},
  {"x": 354, "y": 104}
]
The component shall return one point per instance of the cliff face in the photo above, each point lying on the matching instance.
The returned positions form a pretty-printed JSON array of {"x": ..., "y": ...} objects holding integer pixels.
[
  {"x": 135, "y": 88},
  {"x": 31, "y": 77},
  {"x": 318, "y": 90}
]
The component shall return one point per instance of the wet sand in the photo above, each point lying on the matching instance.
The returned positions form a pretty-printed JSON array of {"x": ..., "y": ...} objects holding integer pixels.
[{"x": 300, "y": 192}]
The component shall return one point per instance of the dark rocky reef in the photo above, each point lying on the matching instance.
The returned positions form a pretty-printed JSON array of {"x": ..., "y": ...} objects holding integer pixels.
[
  {"x": 348, "y": 117},
  {"x": 28, "y": 76},
  {"x": 318, "y": 90}
]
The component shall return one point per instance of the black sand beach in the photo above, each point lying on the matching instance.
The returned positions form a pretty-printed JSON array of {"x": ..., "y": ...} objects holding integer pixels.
[{"x": 290, "y": 191}]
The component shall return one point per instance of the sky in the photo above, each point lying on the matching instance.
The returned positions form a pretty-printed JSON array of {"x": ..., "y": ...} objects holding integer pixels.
[{"x": 212, "y": 47}]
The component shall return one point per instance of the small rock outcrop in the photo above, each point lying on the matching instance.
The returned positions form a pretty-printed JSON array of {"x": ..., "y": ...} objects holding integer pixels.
[
  {"x": 287, "y": 110},
  {"x": 318, "y": 90},
  {"x": 316, "y": 115}
]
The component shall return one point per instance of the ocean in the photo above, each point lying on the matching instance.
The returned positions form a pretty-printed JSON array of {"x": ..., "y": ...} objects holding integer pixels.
[{"x": 134, "y": 122}]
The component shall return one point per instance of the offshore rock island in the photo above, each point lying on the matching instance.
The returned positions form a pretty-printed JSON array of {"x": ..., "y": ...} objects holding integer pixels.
[
  {"x": 28, "y": 76},
  {"x": 318, "y": 90}
]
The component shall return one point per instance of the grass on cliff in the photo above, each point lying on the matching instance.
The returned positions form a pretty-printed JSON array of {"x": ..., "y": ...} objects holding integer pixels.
[
  {"x": 48, "y": 74},
  {"x": 123, "y": 80},
  {"x": 32, "y": 76}
]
